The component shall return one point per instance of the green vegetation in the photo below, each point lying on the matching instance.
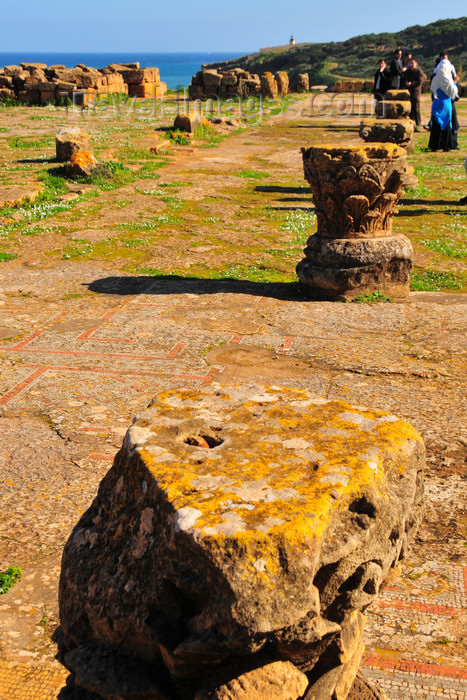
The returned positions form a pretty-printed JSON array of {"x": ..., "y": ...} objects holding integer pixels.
[
  {"x": 148, "y": 171},
  {"x": 435, "y": 281},
  {"x": 181, "y": 138},
  {"x": 357, "y": 57},
  {"x": 23, "y": 144},
  {"x": 109, "y": 176},
  {"x": 371, "y": 298},
  {"x": 446, "y": 246},
  {"x": 253, "y": 174},
  {"x": 9, "y": 577},
  {"x": 4, "y": 256}
]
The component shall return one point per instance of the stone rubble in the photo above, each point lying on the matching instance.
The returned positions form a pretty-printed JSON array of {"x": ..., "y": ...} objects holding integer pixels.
[{"x": 37, "y": 83}]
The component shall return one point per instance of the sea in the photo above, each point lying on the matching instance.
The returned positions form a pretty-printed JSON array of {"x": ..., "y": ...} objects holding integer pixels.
[{"x": 176, "y": 69}]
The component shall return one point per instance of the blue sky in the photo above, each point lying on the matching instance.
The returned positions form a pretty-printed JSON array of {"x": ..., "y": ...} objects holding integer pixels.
[{"x": 209, "y": 25}]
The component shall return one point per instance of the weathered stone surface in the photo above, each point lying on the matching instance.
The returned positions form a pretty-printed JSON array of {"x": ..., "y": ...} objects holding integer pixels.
[
  {"x": 397, "y": 96},
  {"x": 279, "y": 680},
  {"x": 257, "y": 548},
  {"x": 348, "y": 85},
  {"x": 125, "y": 78},
  {"x": 268, "y": 85},
  {"x": 69, "y": 140},
  {"x": 387, "y": 131},
  {"x": 363, "y": 689},
  {"x": 282, "y": 81},
  {"x": 188, "y": 122},
  {"x": 303, "y": 82},
  {"x": 230, "y": 83},
  {"x": 355, "y": 191},
  {"x": 392, "y": 110},
  {"x": 81, "y": 164}
]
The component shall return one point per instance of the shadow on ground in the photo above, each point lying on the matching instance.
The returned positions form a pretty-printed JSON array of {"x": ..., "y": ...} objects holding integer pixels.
[
  {"x": 283, "y": 190},
  {"x": 175, "y": 284}
]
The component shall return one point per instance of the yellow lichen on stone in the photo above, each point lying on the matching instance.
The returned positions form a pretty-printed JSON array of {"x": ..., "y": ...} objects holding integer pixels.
[{"x": 284, "y": 463}]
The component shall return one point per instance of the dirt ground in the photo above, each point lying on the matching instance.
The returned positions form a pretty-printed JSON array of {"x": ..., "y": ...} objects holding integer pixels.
[{"x": 182, "y": 276}]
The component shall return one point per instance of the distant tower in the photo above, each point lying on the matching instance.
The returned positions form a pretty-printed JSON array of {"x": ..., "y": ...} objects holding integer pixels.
[{"x": 291, "y": 40}]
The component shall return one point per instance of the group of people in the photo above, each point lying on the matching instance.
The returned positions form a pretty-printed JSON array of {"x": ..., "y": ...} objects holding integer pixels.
[{"x": 407, "y": 74}]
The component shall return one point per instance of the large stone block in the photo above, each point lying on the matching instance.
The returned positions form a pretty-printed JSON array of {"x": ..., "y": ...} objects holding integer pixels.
[
  {"x": 303, "y": 82},
  {"x": 392, "y": 109},
  {"x": 346, "y": 268},
  {"x": 238, "y": 528},
  {"x": 282, "y": 80},
  {"x": 268, "y": 85},
  {"x": 69, "y": 140},
  {"x": 397, "y": 96},
  {"x": 387, "y": 131}
]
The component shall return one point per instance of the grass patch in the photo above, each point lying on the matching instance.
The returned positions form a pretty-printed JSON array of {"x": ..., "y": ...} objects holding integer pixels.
[
  {"x": 134, "y": 154},
  {"x": 449, "y": 248},
  {"x": 20, "y": 143},
  {"x": 151, "y": 224},
  {"x": 434, "y": 281},
  {"x": 109, "y": 176},
  {"x": 148, "y": 171},
  {"x": 76, "y": 295},
  {"x": 154, "y": 193},
  {"x": 299, "y": 223},
  {"x": 4, "y": 256},
  {"x": 371, "y": 298},
  {"x": 180, "y": 138},
  {"x": 253, "y": 174},
  {"x": 4, "y": 129},
  {"x": 134, "y": 242},
  {"x": 9, "y": 577}
]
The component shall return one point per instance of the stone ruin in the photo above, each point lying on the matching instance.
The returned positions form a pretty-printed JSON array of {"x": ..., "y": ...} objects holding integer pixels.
[
  {"x": 234, "y": 545},
  {"x": 393, "y": 124},
  {"x": 209, "y": 83},
  {"x": 37, "y": 83},
  {"x": 355, "y": 192}
]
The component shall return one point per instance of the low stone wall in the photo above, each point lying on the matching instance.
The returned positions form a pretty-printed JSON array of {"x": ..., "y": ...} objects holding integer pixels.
[
  {"x": 361, "y": 85},
  {"x": 37, "y": 83}
]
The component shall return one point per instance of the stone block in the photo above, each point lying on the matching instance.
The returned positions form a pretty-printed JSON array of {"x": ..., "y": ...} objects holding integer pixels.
[
  {"x": 33, "y": 66},
  {"x": 387, "y": 131},
  {"x": 69, "y": 140},
  {"x": 238, "y": 528},
  {"x": 279, "y": 680},
  {"x": 282, "y": 80},
  {"x": 146, "y": 90},
  {"x": 268, "y": 85},
  {"x": 7, "y": 94},
  {"x": 211, "y": 79},
  {"x": 397, "y": 96},
  {"x": 392, "y": 109},
  {"x": 13, "y": 70},
  {"x": 135, "y": 76},
  {"x": 188, "y": 122},
  {"x": 81, "y": 164},
  {"x": 303, "y": 82},
  {"x": 6, "y": 81}
]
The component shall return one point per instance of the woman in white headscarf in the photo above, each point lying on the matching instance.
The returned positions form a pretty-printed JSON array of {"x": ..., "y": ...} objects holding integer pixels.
[{"x": 444, "y": 90}]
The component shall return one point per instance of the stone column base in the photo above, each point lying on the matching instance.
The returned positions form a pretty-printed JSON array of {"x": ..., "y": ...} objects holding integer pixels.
[{"x": 343, "y": 268}]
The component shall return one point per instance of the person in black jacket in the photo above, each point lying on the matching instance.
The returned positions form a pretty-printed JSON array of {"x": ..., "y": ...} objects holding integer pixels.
[
  {"x": 396, "y": 70},
  {"x": 382, "y": 80},
  {"x": 413, "y": 78}
]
